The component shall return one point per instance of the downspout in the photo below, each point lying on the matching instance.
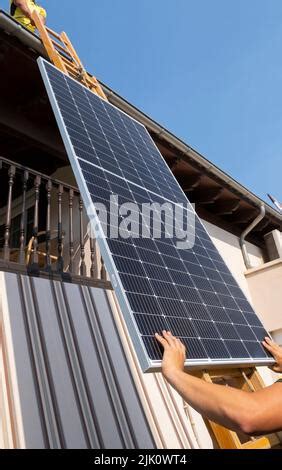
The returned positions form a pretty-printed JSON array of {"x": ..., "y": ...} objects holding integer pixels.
[{"x": 246, "y": 232}]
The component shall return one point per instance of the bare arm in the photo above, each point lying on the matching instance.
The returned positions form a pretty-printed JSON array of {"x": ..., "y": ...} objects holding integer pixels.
[
  {"x": 23, "y": 5},
  {"x": 251, "y": 413}
]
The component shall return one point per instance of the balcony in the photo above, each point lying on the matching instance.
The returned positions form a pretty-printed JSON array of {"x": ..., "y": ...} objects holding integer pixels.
[{"x": 43, "y": 228}]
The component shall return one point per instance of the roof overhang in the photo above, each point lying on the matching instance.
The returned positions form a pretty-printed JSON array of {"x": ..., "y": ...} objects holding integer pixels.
[{"x": 215, "y": 193}]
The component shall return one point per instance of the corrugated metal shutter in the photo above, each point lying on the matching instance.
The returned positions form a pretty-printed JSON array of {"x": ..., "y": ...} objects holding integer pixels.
[{"x": 70, "y": 380}]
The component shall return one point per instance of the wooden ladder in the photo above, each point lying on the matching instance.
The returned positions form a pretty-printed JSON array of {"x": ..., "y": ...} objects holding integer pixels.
[
  {"x": 63, "y": 55},
  {"x": 248, "y": 380}
]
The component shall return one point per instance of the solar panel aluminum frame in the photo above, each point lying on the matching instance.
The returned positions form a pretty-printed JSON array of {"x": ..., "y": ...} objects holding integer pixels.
[{"x": 146, "y": 363}]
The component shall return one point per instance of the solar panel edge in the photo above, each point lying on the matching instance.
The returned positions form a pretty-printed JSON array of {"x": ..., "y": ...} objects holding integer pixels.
[
  {"x": 116, "y": 282},
  {"x": 146, "y": 364}
]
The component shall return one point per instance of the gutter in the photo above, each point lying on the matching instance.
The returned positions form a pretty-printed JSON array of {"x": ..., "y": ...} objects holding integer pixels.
[
  {"x": 32, "y": 41},
  {"x": 246, "y": 232},
  {"x": 13, "y": 28}
]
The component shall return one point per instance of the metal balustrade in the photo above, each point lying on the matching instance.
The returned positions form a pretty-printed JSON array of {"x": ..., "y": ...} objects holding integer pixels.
[{"x": 43, "y": 228}]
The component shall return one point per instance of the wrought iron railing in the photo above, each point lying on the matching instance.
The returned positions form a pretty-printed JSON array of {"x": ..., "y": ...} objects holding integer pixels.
[{"x": 43, "y": 227}]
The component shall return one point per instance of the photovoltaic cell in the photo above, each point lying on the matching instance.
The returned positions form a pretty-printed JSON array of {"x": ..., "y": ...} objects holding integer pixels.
[{"x": 159, "y": 286}]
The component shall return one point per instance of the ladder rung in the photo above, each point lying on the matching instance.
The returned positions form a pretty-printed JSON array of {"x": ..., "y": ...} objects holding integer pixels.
[
  {"x": 69, "y": 62},
  {"x": 88, "y": 80},
  {"x": 74, "y": 71},
  {"x": 72, "y": 74},
  {"x": 61, "y": 48},
  {"x": 92, "y": 83},
  {"x": 91, "y": 78},
  {"x": 63, "y": 55},
  {"x": 91, "y": 86},
  {"x": 260, "y": 443},
  {"x": 72, "y": 68},
  {"x": 53, "y": 33}
]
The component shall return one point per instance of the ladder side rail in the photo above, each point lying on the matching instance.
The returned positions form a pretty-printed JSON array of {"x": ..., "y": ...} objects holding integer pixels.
[
  {"x": 65, "y": 57},
  {"x": 226, "y": 438},
  {"x": 50, "y": 49}
]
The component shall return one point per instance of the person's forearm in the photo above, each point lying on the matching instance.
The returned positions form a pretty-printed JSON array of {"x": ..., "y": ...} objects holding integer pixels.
[
  {"x": 25, "y": 8},
  {"x": 224, "y": 405},
  {"x": 253, "y": 413}
]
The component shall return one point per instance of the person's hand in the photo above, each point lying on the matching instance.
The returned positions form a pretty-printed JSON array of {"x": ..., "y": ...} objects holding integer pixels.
[
  {"x": 276, "y": 352},
  {"x": 31, "y": 17},
  {"x": 174, "y": 354}
]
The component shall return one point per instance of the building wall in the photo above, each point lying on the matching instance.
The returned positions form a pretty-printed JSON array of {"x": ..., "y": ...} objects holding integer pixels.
[
  {"x": 229, "y": 247},
  {"x": 265, "y": 286},
  {"x": 277, "y": 336},
  {"x": 172, "y": 424}
]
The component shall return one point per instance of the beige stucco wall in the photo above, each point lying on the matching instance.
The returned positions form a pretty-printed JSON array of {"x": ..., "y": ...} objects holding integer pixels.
[
  {"x": 265, "y": 284},
  {"x": 229, "y": 248},
  {"x": 277, "y": 336}
]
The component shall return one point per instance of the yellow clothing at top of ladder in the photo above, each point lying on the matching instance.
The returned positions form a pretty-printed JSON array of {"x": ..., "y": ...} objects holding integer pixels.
[{"x": 24, "y": 20}]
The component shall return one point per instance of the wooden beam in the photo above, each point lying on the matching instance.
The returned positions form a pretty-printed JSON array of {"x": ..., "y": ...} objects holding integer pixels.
[
  {"x": 207, "y": 196},
  {"x": 174, "y": 164},
  {"x": 227, "y": 207},
  {"x": 245, "y": 216},
  {"x": 262, "y": 225},
  {"x": 260, "y": 443},
  {"x": 190, "y": 182}
]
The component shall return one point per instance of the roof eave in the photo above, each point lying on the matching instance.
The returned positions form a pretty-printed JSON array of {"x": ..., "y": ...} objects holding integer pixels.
[{"x": 10, "y": 26}]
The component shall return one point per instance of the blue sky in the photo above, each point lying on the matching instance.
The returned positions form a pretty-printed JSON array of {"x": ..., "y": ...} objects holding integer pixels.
[{"x": 208, "y": 70}]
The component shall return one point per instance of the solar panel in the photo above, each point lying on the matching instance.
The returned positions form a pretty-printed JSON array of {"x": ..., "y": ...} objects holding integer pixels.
[{"x": 160, "y": 285}]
